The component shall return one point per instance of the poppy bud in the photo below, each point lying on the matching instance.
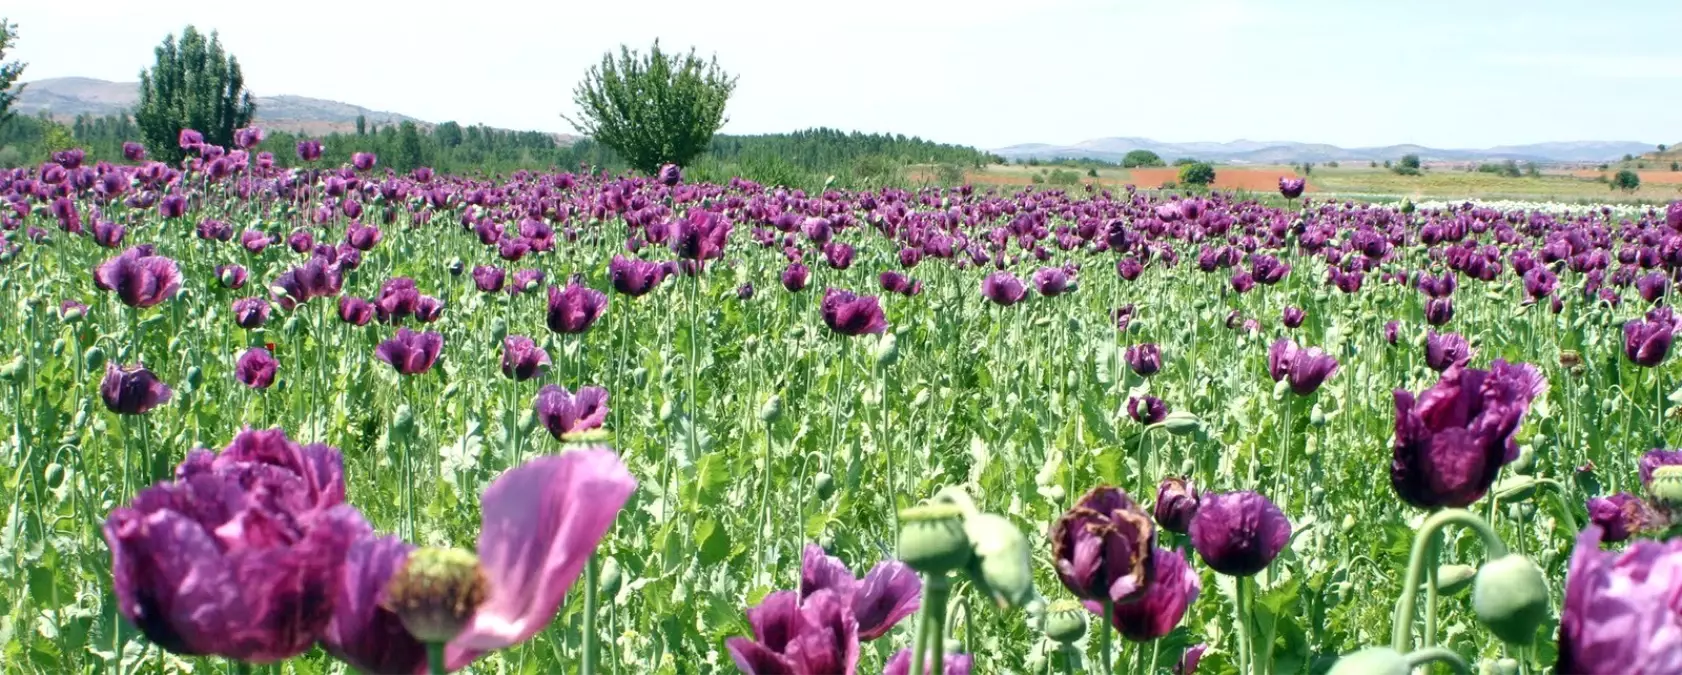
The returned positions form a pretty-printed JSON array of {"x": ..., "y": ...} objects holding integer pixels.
[
  {"x": 824, "y": 485},
  {"x": 932, "y": 539},
  {"x": 772, "y": 409},
  {"x": 1002, "y": 559},
  {"x": 1510, "y": 597},
  {"x": 59, "y": 346},
  {"x": 194, "y": 377},
  {"x": 1371, "y": 661},
  {"x": 1181, "y": 423},
  {"x": 528, "y": 421},
  {"x": 450, "y": 391},
  {"x": 1666, "y": 485},
  {"x": 1065, "y": 622},
  {"x": 436, "y": 593},
  {"x": 1317, "y": 417},
  {"x": 611, "y": 577},
  {"x": 499, "y": 329},
  {"x": 886, "y": 351},
  {"x": 1452, "y": 579},
  {"x": 456, "y": 267},
  {"x": 55, "y": 475},
  {"x": 1507, "y": 666},
  {"x": 9, "y": 370},
  {"x": 403, "y": 422},
  {"x": 1525, "y": 465},
  {"x": 290, "y": 327}
]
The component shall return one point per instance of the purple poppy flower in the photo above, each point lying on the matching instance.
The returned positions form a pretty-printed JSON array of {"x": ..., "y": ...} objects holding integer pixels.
[
  {"x": 669, "y": 175},
  {"x": 794, "y": 276},
  {"x": 1392, "y": 331},
  {"x": 1445, "y": 350},
  {"x": 744, "y": 291},
  {"x": 700, "y": 235},
  {"x": 1452, "y": 441},
  {"x": 1129, "y": 268},
  {"x": 887, "y": 595},
  {"x": 1438, "y": 287},
  {"x": 134, "y": 152},
  {"x": 363, "y": 161},
  {"x": 314, "y": 279},
  {"x": 237, "y": 555},
  {"x": 488, "y": 279},
  {"x": 1267, "y": 269},
  {"x": 1052, "y": 281},
  {"x": 362, "y": 237},
  {"x": 1305, "y": 368},
  {"x": 256, "y": 368},
  {"x": 232, "y": 277},
  {"x": 1176, "y": 503},
  {"x": 1653, "y": 459},
  {"x": 1147, "y": 410},
  {"x": 1619, "y": 616},
  {"x": 838, "y": 255},
  {"x": 410, "y": 353},
  {"x": 429, "y": 309},
  {"x": 254, "y": 241},
  {"x": 562, "y": 412},
  {"x": 1242, "y": 282},
  {"x": 300, "y": 241},
  {"x": 1620, "y": 516},
  {"x": 399, "y": 298},
  {"x": 1102, "y": 547},
  {"x": 139, "y": 278},
  {"x": 1123, "y": 317},
  {"x": 1003, "y": 289},
  {"x": 1647, "y": 343},
  {"x": 309, "y": 150},
  {"x": 540, "y": 523},
  {"x": 1652, "y": 287},
  {"x": 1144, "y": 359},
  {"x": 574, "y": 309},
  {"x": 250, "y": 313},
  {"x": 132, "y": 390},
  {"x": 953, "y": 664},
  {"x": 1291, "y": 188},
  {"x": 819, "y": 635},
  {"x": 1292, "y": 317},
  {"x": 909, "y": 257},
  {"x": 248, "y": 137},
  {"x": 522, "y": 359},
  {"x": 895, "y": 282},
  {"x": 1188, "y": 661},
  {"x": 189, "y": 139},
  {"x": 850, "y": 314},
  {"x": 108, "y": 234},
  {"x": 214, "y": 230},
  {"x": 634, "y": 277},
  {"x": 1439, "y": 311},
  {"x": 70, "y": 310},
  {"x": 1540, "y": 282},
  {"x": 526, "y": 280},
  {"x": 355, "y": 311},
  {"x": 1155, "y": 614},
  {"x": 1238, "y": 533}
]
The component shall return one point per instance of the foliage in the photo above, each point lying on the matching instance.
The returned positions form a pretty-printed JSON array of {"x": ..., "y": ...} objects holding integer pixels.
[
  {"x": 9, "y": 72},
  {"x": 193, "y": 84},
  {"x": 1197, "y": 173},
  {"x": 1409, "y": 161},
  {"x": 653, "y": 110},
  {"x": 1626, "y": 180},
  {"x": 1183, "y": 161},
  {"x": 1141, "y": 158},
  {"x": 1063, "y": 177},
  {"x": 950, "y": 174}
]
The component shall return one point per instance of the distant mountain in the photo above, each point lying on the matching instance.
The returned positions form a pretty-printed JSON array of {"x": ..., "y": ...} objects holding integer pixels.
[
  {"x": 1288, "y": 152},
  {"x": 66, "y": 97}
]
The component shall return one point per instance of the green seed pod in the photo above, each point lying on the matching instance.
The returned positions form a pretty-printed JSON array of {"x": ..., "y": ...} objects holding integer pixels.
[
  {"x": 932, "y": 539},
  {"x": 59, "y": 346},
  {"x": 153, "y": 321},
  {"x": 1407, "y": 205},
  {"x": 499, "y": 329},
  {"x": 1317, "y": 417},
  {"x": 1510, "y": 597},
  {"x": 195, "y": 376},
  {"x": 772, "y": 409},
  {"x": 824, "y": 485},
  {"x": 826, "y": 541},
  {"x": 1525, "y": 465},
  {"x": 403, "y": 422},
  {"x": 436, "y": 592},
  {"x": 1452, "y": 579},
  {"x": 1065, "y": 622},
  {"x": 450, "y": 390},
  {"x": 1371, "y": 661},
  {"x": 667, "y": 411},
  {"x": 528, "y": 421},
  {"x": 1317, "y": 495},
  {"x": 639, "y": 376},
  {"x": 291, "y": 326},
  {"x": 456, "y": 266},
  {"x": 886, "y": 350},
  {"x": 611, "y": 577},
  {"x": 1056, "y": 494},
  {"x": 10, "y": 369},
  {"x": 1506, "y": 666},
  {"x": 1666, "y": 487},
  {"x": 1181, "y": 423},
  {"x": 73, "y": 315},
  {"x": 1001, "y": 562},
  {"x": 55, "y": 475},
  {"x": 1348, "y": 524}
]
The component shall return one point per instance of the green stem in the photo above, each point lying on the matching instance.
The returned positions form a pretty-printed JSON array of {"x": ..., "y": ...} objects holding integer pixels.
[
  {"x": 1402, "y": 634},
  {"x": 1438, "y": 655},
  {"x": 435, "y": 658},
  {"x": 931, "y": 632},
  {"x": 1245, "y": 658},
  {"x": 1105, "y": 664},
  {"x": 588, "y": 666},
  {"x": 1433, "y": 556}
]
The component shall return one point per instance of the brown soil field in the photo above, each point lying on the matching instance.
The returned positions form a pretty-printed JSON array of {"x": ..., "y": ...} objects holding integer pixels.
[{"x": 1226, "y": 178}]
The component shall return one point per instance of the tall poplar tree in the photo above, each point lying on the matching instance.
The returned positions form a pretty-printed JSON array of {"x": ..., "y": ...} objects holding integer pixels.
[{"x": 193, "y": 85}]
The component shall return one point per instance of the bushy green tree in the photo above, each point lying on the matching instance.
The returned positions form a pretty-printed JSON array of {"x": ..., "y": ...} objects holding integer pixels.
[
  {"x": 9, "y": 72},
  {"x": 1138, "y": 158},
  {"x": 192, "y": 85},
  {"x": 653, "y": 109},
  {"x": 1410, "y": 161},
  {"x": 1197, "y": 173},
  {"x": 1626, "y": 180}
]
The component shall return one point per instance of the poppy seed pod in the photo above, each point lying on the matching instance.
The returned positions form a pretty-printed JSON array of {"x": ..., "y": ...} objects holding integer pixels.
[
  {"x": 1001, "y": 562},
  {"x": 1372, "y": 661},
  {"x": 1065, "y": 622},
  {"x": 932, "y": 539},
  {"x": 436, "y": 593},
  {"x": 1510, "y": 597},
  {"x": 1452, "y": 579}
]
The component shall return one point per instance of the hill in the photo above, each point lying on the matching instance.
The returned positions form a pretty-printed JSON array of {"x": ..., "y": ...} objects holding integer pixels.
[
  {"x": 1290, "y": 152},
  {"x": 63, "y": 98}
]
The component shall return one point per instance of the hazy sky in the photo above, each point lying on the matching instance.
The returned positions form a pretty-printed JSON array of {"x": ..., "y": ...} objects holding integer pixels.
[{"x": 990, "y": 73}]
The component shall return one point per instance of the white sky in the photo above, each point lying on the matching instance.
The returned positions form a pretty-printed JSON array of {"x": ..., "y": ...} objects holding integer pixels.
[{"x": 1447, "y": 73}]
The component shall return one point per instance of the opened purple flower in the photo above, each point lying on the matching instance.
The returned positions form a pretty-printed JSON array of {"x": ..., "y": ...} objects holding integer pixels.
[
  {"x": 1144, "y": 359},
  {"x": 1647, "y": 343},
  {"x": 887, "y": 595},
  {"x": 250, "y": 313},
  {"x": 410, "y": 353},
  {"x": 1620, "y": 616},
  {"x": 1392, "y": 331},
  {"x": 398, "y": 298},
  {"x": 309, "y": 150},
  {"x": 895, "y": 282},
  {"x": 1102, "y": 547},
  {"x": 817, "y": 636},
  {"x": 1439, "y": 311},
  {"x": 1155, "y": 614},
  {"x": 1003, "y": 289},
  {"x": 953, "y": 664},
  {"x": 172, "y": 206},
  {"x": 134, "y": 152},
  {"x": 488, "y": 279},
  {"x": 1452, "y": 441},
  {"x": 1238, "y": 533},
  {"x": 794, "y": 276},
  {"x": 317, "y": 278},
  {"x": 562, "y": 412},
  {"x": 355, "y": 311},
  {"x": 232, "y": 276},
  {"x": 132, "y": 390},
  {"x": 237, "y": 556},
  {"x": 363, "y": 161},
  {"x": 850, "y": 314},
  {"x": 139, "y": 278},
  {"x": 574, "y": 309},
  {"x": 1147, "y": 410},
  {"x": 634, "y": 277},
  {"x": 362, "y": 237},
  {"x": 838, "y": 255},
  {"x": 522, "y": 359},
  {"x": 1176, "y": 503},
  {"x": 256, "y": 368},
  {"x": 1445, "y": 350},
  {"x": 429, "y": 309},
  {"x": 1293, "y": 317},
  {"x": 1620, "y": 516},
  {"x": 108, "y": 234},
  {"x": 1291, "y": 188}
]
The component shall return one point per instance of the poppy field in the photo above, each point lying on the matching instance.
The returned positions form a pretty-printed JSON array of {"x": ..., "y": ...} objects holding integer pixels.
[{"x": 337, "y": 419}]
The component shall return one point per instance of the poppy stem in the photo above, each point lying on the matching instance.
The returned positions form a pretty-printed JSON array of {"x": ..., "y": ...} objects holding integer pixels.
[
  {"x": 435, "y": 658},
  {"x": 1245, "y": 658},
  {"x": 1104, "y": 635},
  {"x": 587, "y": 665},
  {"x": 1401, "y": 638}
]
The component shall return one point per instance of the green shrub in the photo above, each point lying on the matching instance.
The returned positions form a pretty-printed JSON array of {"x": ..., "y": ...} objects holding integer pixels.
[{"x": 1197, "y": 173}]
